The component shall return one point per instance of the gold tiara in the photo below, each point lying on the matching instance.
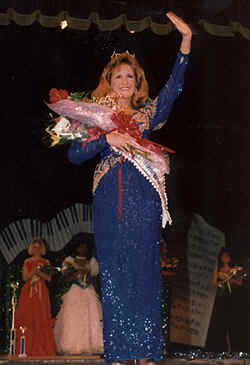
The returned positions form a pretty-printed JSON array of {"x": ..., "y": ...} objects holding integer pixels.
[{"x": 114, "y": 54}]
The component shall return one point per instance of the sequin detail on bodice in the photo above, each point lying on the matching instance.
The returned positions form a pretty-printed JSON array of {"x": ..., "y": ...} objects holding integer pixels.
[
  {"x": 109, "y": 158},
  {"x": 103, "y": 167}
]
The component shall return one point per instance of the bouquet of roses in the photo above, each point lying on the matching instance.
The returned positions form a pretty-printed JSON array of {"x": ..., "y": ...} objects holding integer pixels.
[
  {"x": 84, "y": 119},
  {"x": 45, "y": 268},
  {"x": 49, "y": 269},
  {"x": 169, "y": 266},
  {"x": 87, "y": 119},
  {"x": 73, "y": 270},
  {"x": 71, "y": 267},
  {"x": 236, "y": 273},
  {"x": 172, "y": 264}
]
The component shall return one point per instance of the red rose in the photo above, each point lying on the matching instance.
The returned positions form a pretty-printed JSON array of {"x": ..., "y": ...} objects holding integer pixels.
[
  {"x": 57, "y": 95},
  {"x": 64, "y": 94}
]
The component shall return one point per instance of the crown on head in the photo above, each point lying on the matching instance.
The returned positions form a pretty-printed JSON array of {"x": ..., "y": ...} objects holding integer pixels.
[{"x": 114, "y": 54}]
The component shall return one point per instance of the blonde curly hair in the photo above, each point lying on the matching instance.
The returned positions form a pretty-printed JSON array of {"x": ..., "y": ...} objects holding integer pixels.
[
  {"x": 142, "y": 91},
  {"x": 41, "y": 243}
]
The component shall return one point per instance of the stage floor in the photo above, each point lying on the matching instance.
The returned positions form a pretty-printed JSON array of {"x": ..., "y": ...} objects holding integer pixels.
[{"x": 98, "y": 360}]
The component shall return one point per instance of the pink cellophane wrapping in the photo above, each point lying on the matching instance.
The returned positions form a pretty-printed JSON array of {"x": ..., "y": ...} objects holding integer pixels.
[
  {"x": 89, "y": 114},
  {"x": 95, "y": 115}
]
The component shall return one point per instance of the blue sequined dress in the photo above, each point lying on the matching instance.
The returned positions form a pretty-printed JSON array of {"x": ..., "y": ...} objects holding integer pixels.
[{"x": 129, "y": 251}]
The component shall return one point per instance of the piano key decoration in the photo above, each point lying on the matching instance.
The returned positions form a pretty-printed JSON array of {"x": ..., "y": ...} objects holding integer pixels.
[{"x": 57, "y": 232}]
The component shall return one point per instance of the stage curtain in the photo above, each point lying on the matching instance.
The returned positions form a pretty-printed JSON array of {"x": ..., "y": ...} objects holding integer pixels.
[{"x": 49, "y": 21}]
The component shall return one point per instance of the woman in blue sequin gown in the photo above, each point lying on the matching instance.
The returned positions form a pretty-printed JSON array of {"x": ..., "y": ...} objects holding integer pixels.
[{"x": 128, "y": 214}]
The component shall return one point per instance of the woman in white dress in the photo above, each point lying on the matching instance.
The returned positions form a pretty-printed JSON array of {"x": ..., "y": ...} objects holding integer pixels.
[{"x": 78, "y": 327}]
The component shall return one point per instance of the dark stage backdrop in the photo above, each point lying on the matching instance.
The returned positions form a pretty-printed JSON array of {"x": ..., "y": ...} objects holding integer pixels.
[{"x": 209, "y": 126}]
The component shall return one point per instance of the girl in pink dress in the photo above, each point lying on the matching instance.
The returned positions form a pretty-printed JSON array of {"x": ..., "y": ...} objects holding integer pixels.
[{"x": 78, "y": 327}]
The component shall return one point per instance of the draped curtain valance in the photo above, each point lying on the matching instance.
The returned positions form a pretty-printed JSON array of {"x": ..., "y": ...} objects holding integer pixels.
[{"x": 106, "y": 24}]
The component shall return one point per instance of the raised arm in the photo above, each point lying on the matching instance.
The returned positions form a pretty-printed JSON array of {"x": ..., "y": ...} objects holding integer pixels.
[
  {"x": 170, "y": 92},
  {"x": 185, "y": 31},
  {"x": 78, "y": 153},
  {"x": 173, "y": 87}
]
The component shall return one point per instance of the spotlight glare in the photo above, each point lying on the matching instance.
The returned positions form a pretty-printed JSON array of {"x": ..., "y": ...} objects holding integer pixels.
[{"x": 64, "y": 24}]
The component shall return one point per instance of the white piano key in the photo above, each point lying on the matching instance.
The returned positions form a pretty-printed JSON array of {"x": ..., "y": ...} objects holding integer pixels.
[
  {"x": 22, "y": 237},
  {"x": 5, "y": 248},
  {"x": 27, "y": 227},
  {"x": 57, "y": 237},
  {"x": 9, "y": 239},
  {"x": 65, "y": 231},
  {"x": 18, "y": 239}
]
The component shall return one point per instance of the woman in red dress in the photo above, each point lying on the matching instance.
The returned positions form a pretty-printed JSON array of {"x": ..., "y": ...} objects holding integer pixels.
[{"x": 33, "y": 312}]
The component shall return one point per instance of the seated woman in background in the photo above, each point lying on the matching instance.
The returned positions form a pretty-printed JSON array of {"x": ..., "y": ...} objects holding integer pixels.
[
  {"x": 33, "y": 311},
  {"x": 78, "y": 326}
]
